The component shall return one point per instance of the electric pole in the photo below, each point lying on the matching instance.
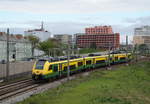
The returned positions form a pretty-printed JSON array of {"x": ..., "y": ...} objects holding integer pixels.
[
  {"x": 72, "y": 48},
  {"x": 136, "y": 52},
  {"x": 7, "y": 65},
  {"x": 49, "y": 54},
  {"x": 114, "y": 47},
  {"x": 126, "y": 46},
  {"x": 68, "y": 58},
  {"x": 53, "y": 52},
  {"x": 109, "y": 56}
]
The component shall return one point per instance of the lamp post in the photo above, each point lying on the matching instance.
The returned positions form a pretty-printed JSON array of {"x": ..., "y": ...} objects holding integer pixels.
[
  {"x": 109, "y": 55},
  {"x": 126, "y": 47},
  {"x": 7, "y": 65},
  {"x": 68, "y": 58}
]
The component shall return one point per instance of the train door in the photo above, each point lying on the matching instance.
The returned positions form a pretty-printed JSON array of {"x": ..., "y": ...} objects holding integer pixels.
[
  {"x": 60, "y": 69},
  {"x": 116, "y": 58},
  {"x": 55, "y": 67},
  {"x": 50, "y": 68}
]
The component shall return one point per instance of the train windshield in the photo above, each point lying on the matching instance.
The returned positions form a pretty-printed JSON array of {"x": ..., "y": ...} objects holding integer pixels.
[{"x": 40, "y": 65}]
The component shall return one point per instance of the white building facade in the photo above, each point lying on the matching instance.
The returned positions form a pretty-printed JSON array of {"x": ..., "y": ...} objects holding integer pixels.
[
  {"x": 142, "y": 35},
  {"x": 41, "y": 33},
  {"x": 19, "y": 48},
  {"x": 64, "y": 38},
  {"x": 142, "y": 31}
]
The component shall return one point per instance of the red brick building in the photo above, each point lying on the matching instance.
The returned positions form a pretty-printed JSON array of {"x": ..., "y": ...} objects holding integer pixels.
[
  {"x": 101, "y": 40},
  {"x": 97, "y": 30}
]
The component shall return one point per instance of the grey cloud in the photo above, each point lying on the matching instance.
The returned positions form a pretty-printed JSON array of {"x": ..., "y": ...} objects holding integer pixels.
[
  {"x": 124, "y": 30},
  {"x": 15, "y": 0},
  {"x": 144, "y": 20},
  {"x": 133, "y": 23},
  {"x": 76, "y": 6},
  {"x": 54, "y": 27},
  {"x": 129, "y": 20},
  {"x": 13, "y": 30},
  {"x": 138, "y": 21},
  {"x": 70, "y": 27},
  {"x": 66, "y": 27}
]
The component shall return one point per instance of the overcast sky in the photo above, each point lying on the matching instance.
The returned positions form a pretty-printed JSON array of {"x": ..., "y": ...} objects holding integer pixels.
[{"x": 72, "y": 16}]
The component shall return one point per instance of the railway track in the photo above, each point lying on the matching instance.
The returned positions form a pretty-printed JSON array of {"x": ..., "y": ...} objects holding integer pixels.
[
  {"x": 23, "y": 86},
  {"x": 13, "y": 89},
  {"x": 13, "y": 83}
]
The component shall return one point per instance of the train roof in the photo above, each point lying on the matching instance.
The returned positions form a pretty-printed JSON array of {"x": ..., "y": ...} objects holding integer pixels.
[{"x": 63, "y": 59}]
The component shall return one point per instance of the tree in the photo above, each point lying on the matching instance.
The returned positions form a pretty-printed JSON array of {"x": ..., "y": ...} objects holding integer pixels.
[
  {"x": 50, "y": 45},
  {"x": 35, "y": 41},
  {"x": 143, "y": 48}
]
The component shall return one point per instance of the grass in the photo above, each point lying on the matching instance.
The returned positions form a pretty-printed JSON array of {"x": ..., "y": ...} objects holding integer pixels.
[
  {"x": 129, "y": 85},
  {"x": 89, "y": 50}
]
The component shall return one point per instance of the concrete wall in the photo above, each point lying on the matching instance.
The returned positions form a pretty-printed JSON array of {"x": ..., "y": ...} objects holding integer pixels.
[{"x": 16, "y": 68}]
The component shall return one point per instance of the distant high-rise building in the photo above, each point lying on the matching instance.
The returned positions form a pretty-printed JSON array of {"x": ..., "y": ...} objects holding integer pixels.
[
  {"x": 99, "y": 37},
  {"x": 97, "y": 30},
  {"x": 75, "y": 37},
  {"x": 41, "y": 33},
  {"x": 98, "y": 41},
  {"x": 63, "y": 38},
  {"x": 142, "y": 31},
  {"x": 142, "y": 35}
]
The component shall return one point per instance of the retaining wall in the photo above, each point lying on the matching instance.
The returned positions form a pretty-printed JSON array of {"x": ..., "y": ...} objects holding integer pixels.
[{"x": 16, "y": 68}]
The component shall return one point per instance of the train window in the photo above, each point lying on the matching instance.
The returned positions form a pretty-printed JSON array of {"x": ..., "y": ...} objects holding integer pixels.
[
  {"x": 50, "y": 67},
  {"x": 129, "y": 56},
  {"x": 122, "y": 58},
  {"x": 72, "y": 67},
  {"x": 110, "y": 58},
  {"x": 80, "y": 63},
  {"x": 65, "y": 68},
  {"x": 100, "y": 61},
  {"x": 40, "y": 65},
  {"x": 116, "y": 58},
  {"x": 88, "y": 62},
  {"x": 55, "y": 68}
]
